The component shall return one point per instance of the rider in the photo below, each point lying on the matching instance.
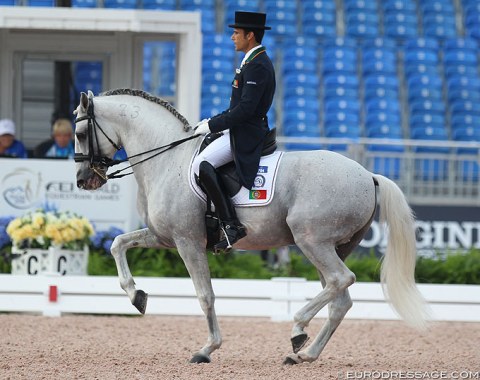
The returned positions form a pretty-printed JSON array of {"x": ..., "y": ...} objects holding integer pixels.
[{"x": 244, "y": 124}]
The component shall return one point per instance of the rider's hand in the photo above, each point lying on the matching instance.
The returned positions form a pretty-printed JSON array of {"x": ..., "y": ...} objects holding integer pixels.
[{"x": 202, "y": 128}]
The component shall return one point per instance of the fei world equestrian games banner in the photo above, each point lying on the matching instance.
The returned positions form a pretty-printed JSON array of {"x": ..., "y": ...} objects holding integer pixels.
[
  {"x": 26, "y": 185},
  {"x": 29, "y": 184}
]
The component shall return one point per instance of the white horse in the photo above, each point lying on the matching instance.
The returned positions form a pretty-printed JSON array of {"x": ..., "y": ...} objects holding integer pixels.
[{"x": 324, "y": 203}]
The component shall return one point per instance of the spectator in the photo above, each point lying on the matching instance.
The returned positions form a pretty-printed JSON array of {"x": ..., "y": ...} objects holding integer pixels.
[
  {"x": 9, "y": 146},
  {"x": 61, "y": 143}
]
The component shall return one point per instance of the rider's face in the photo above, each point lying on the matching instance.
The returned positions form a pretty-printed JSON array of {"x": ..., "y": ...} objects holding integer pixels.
[{"x": 240, "y": 40}]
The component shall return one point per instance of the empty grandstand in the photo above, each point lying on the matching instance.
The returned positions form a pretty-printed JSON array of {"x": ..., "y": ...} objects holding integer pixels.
[{"x": 394, "y": 84}]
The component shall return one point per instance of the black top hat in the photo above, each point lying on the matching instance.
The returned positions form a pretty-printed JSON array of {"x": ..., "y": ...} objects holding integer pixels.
[{"x": 250, "y": 20}]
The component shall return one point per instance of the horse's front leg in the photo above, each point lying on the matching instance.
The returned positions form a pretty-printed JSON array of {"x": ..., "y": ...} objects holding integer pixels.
[
  {"x": 195, "y": 260},
  {"x": 140, "y": 238}
]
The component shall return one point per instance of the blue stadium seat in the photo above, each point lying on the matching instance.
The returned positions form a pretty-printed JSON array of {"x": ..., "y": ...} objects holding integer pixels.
[
  {"x": 463, "y": 43},
  {"x": 342, "y": 130},
  {"x": 464, "y": 94},
  {"x": 341, "y": 92},
  {"x": 378, "y": 42},
  {"x": 430, "y": 133},
  {"x": 462, "y": 121},
  {"x": 431, "y": 106},
  {"x": 400, "y": 25},
  {"x": 376, "y": 117},
  {"x": 380, "y": 92},
  {"x": 318, "y": 17},
  {"x": 360, "y": 4},
  {"x": 424, "y": 93},
  {"x": 340, "y": 42},
  {"x": 422, "y": 80},
  {"x": 121, "y": 4},
  {"x": 461, "y": 70},
  {"x": 333, "y": 80},
  {"x": 420, "y": 55},
  {"x": 343, "y": 117},
  {"x": 342, "y": 104},
  {"x": 275, "y": 5},
  {"x": 399, "y": 5},
  {"x": 292, "y": 80},
  {"x": 466, "y": 107},
  {"x": 383, "y": 130},
  {"x": 84, "y": 3},
  {"x": 159, "y": 4},
  {"x": 338, "y": 66},
  {"x": 382, "y": 105},
  {"x": 295, "y": 65},
  {"x": 299, "y": 90},
  {"x": 425, "y": 43},
  {"x": 379, "y": 67},
  {"x": 427, "y": 120},
  {"x": 436, "y": 7},
  {"x": 8, "y": 3},
  {"x": 387, "y": 81},
  {"x": 463, "y": 82},
  {"x": 357, "y": 16},
  {"x": 440, "y": 31},
  {"x": 307, "y": 105},
  {"x": 460, "y": 56},
  {"x": 318, "y": 4},
  {"x": 319, "y": 30},
  {"x": 414, "y": 68},
  {"x": 189, "y": 4}
]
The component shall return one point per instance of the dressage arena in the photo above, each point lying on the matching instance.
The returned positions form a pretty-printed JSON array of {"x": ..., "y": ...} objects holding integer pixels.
[{"x": 157, "y": 347}]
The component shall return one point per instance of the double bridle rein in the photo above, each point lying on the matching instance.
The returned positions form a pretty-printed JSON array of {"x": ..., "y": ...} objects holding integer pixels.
[{"x": 97, "y": 160}]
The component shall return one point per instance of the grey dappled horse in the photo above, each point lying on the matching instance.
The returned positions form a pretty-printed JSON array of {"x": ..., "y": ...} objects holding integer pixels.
[{"x": 324, "y": 203}]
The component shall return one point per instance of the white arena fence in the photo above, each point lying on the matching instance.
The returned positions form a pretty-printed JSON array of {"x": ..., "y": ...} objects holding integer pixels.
[{"x": 277, "y": 299}]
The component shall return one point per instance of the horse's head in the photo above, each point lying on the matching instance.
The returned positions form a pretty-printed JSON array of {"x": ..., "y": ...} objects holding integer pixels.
[{"x": 94, "y": 145}]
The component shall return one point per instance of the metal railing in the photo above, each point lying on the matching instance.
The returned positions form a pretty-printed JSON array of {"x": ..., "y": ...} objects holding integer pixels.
[{"x": 428, "y": 172}]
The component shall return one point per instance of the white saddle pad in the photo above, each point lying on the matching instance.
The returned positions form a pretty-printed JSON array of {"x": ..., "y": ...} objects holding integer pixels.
[{"x": 263, "y": 188}]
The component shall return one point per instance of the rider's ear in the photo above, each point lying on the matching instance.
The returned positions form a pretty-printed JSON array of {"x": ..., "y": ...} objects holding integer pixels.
[{"x": 84, "y": 101}]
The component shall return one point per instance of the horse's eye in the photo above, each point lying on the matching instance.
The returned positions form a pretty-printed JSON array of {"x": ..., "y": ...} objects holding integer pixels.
[{"x": 80, "y": 136}]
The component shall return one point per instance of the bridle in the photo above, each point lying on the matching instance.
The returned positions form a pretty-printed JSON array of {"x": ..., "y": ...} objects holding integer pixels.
[{"x": 98, "y": 161}]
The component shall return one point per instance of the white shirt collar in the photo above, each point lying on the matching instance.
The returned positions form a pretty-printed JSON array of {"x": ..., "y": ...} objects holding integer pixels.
[{"x": 249, "y": 53}]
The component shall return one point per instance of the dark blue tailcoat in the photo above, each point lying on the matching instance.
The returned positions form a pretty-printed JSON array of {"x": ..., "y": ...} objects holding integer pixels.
[{"x": 252, "y": 95}]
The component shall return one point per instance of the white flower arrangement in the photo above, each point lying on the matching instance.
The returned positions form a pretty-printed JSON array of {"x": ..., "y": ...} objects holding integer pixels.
[{"x": 42, "y": 229}]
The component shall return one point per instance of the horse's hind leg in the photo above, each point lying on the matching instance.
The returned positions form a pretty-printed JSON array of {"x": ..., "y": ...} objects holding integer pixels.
[
  {"x": 336, "y": 278},
  {"x": 140, "y": 238}
]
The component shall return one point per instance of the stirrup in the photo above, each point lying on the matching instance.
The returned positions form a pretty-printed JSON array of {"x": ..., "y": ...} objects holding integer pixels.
[{"x": 231, "y": 234}]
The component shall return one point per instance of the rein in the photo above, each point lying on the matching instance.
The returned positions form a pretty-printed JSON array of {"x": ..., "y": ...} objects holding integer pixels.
[{"x": 97, "y": 160}]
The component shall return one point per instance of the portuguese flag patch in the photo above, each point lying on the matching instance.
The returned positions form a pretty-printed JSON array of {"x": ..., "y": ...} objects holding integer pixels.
[{"x": 258, "y": 194}]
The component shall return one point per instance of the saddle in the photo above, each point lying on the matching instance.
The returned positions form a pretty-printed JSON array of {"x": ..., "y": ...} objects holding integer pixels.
[{"x": 230, "y": 181}]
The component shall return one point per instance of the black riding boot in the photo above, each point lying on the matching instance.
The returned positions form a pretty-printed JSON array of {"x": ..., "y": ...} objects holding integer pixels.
[{"x": 213, "y": 186}]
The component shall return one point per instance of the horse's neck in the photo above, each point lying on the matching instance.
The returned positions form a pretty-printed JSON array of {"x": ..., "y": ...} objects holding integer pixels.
[{"x": 143, "y": 126}]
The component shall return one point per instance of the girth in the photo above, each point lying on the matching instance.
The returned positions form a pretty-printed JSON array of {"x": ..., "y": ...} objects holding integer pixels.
[{"x": 227, "y": 171}]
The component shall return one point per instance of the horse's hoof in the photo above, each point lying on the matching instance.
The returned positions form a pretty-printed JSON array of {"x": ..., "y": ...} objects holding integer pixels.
[
  {"x": 289, "y": 361},
  {"x": 298, "y": 342},
  {"x": 198, "y": 358},
  {"x": 140, "y": 301}
]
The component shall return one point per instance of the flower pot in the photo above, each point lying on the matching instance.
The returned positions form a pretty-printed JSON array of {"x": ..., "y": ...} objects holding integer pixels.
[{"x": 35, "y": 261}]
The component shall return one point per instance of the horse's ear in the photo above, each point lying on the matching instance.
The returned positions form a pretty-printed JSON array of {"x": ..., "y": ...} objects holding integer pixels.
[
  {"x": 83, "y": 101},
  {"x": 90, "y": 94}
]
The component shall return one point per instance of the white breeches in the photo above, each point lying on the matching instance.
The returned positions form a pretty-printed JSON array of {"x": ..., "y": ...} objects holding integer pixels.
[{"x": 218, "y": 153}]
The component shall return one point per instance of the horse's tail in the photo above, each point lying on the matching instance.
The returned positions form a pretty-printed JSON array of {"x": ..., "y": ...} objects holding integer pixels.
[{"x": 398, "y": 266}]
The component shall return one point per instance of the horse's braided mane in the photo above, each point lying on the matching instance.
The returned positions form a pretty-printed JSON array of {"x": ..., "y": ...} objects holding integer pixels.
[{"x": 152, "y": 98}]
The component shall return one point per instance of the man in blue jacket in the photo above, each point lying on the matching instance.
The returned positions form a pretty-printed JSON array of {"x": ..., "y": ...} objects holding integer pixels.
[{"x": 244, "y": 124}]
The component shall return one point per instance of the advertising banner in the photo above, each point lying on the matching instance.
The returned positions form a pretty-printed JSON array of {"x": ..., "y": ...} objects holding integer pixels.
[{"x": 26, "y": 185}]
